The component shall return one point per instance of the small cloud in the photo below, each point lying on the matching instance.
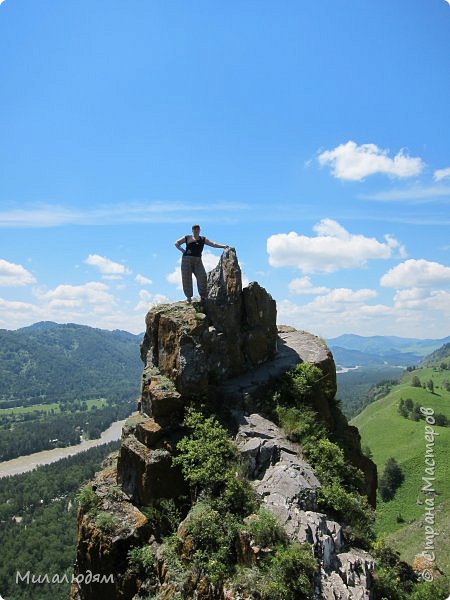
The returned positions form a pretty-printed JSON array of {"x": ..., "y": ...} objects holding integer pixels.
[
  {"x": 395, "y": 245},
  {"x": 442, "y": 173},
  {"x": 92, "y": 293},
  {"x": 108, "y": 268},
  {"x": 143, "y": 280},
  {"x": 302, "y": 286},
  {"x": 353, "y": 163},
  {"x": 414, "y": 273},
  {"x": 148, "y": 300},
  {"x": 12, "y": 274}
]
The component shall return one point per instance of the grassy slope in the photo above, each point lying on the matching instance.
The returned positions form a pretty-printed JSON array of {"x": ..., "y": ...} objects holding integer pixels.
[
  {"x": 388, "y": 434},
  {"x": 45, "y": 408}
]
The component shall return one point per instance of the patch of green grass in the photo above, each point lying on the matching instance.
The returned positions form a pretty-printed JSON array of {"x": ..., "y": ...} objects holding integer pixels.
[
  {"x": 410, "y": 538},
  {"x": 388, "y": 434},
  {"x": 46, "y": 408}
]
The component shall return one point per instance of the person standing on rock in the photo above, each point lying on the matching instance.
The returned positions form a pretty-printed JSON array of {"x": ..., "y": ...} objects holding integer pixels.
[{"x": 191, "y": 263}]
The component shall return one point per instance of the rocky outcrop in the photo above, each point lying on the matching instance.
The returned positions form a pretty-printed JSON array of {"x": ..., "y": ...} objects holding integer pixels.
[
  {"x": 104, "y": 538},
  {"x": 287, "y": 485},
  {"x": 226, "y": 351},
  {"x": 197, "y": 344}
]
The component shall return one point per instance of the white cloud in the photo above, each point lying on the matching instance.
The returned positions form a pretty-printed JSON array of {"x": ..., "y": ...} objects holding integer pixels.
[
  {"x": 343, "y": 296},
  {"x": 352, "y": 162},
  {"x": 304, "y": 286},
  {"x": 89, "y": 296},
  {"x": 340, "y": 310},
  {"x": 108, "y": 268},
  {"x": 14, "y": 313},
  {"x": 209, "y": 260},
  {"x": 414, "y": 313},
  {"x": 416, "y": 273},
  {"x": 143, "y": 280},
  {"x": 421, "y": 304},
  {"x": 441, "y": 174},
  {"x": 148, "y": 300},
  {"x": 12, "y": 274},
  {"x": 395, "y": 245},
  {"x": 332, "y": 249}
]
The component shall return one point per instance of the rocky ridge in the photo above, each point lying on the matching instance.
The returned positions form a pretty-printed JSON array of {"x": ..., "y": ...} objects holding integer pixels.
[{"x": 228, "y": 351}]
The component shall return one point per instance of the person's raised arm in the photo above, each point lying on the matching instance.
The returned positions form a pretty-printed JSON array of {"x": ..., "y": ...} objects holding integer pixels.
[
  {"x": 178, "y": 243},
  {"x": 214, "y": 245}
]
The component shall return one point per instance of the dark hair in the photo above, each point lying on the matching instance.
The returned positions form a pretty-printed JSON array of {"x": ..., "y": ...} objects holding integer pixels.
[{"x": 195, "y": 226}]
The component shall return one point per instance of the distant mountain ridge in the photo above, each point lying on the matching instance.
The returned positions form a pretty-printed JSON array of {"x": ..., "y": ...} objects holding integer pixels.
[{"x": 392, "y": 350}]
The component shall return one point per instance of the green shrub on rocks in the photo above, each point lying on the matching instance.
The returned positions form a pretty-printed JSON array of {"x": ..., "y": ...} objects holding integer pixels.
[
  {"x": 107, "y": 522},
  {"x": 142, "y": 560},
  {"x": 88, "y": 499},
  {"x": 164, "y": 516},
  {"x": 342, "y": 483},
  {"x": 300, "y": 423},
  {"x": 298, "y": 386},
  {"x": 236, "y": 495},
  {"x": 289, "y": 573},
  {"x": 206, "y": 454},
  {"x": 265, "y": 529},
  {"x": 286, "y": 574},
  {"x": 204, "y": 549}
]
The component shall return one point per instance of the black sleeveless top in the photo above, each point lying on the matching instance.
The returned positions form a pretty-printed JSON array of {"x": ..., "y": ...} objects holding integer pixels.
[{"x": 194, "y": 247}]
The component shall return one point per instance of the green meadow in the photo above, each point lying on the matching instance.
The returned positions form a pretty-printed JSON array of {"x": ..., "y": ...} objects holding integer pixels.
[
  {"x": 46, "y": 408},
  {"x": 388, "y": 434}
]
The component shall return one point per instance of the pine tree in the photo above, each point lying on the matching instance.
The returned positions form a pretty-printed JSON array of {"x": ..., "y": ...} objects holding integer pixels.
[{"x": 391, "y": 479}]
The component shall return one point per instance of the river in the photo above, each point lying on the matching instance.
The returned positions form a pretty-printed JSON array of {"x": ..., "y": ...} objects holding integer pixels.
[{"x": 22, "y": 464}]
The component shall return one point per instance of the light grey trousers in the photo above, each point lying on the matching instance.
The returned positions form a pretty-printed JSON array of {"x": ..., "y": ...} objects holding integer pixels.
[{"x": 192, "y": 265}]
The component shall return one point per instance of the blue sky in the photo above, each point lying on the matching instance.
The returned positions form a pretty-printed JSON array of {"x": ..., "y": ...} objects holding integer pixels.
[{"x": 312, "y": 136}]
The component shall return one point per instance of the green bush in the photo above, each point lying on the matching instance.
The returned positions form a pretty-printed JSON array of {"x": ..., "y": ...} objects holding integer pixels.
[
  {"x": 393, "y": 578},
  {"x": 106, "y": 522},
  {"x": 165, "y": 384},
  {"x": 142, "y": 560},
  {"x": 351, "y": 510},
  {"x": 343, "y": 485},
  {"x": 88, "y": 499},
  {"x": 391, "y": 479},
  {"x": 297, "y": 387},
  {"x": 164, "y": 516},
  {"x": 264, "y": 529},
  {"x": 434, "y": 590},
  {"x": 205, "y": 455},
  {"x": 330, "y": 464},
  {"x": 237, "y": 496},
  {"x": 300, "y": 423},
  {"x": 289, "y": 574},
  {"x": 212, "y": 539}
]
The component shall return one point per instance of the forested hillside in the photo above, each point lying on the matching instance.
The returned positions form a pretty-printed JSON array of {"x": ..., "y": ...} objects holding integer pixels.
[
  {"x": 48, "y": 363},
  {"x": 60, "y": 384}
]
